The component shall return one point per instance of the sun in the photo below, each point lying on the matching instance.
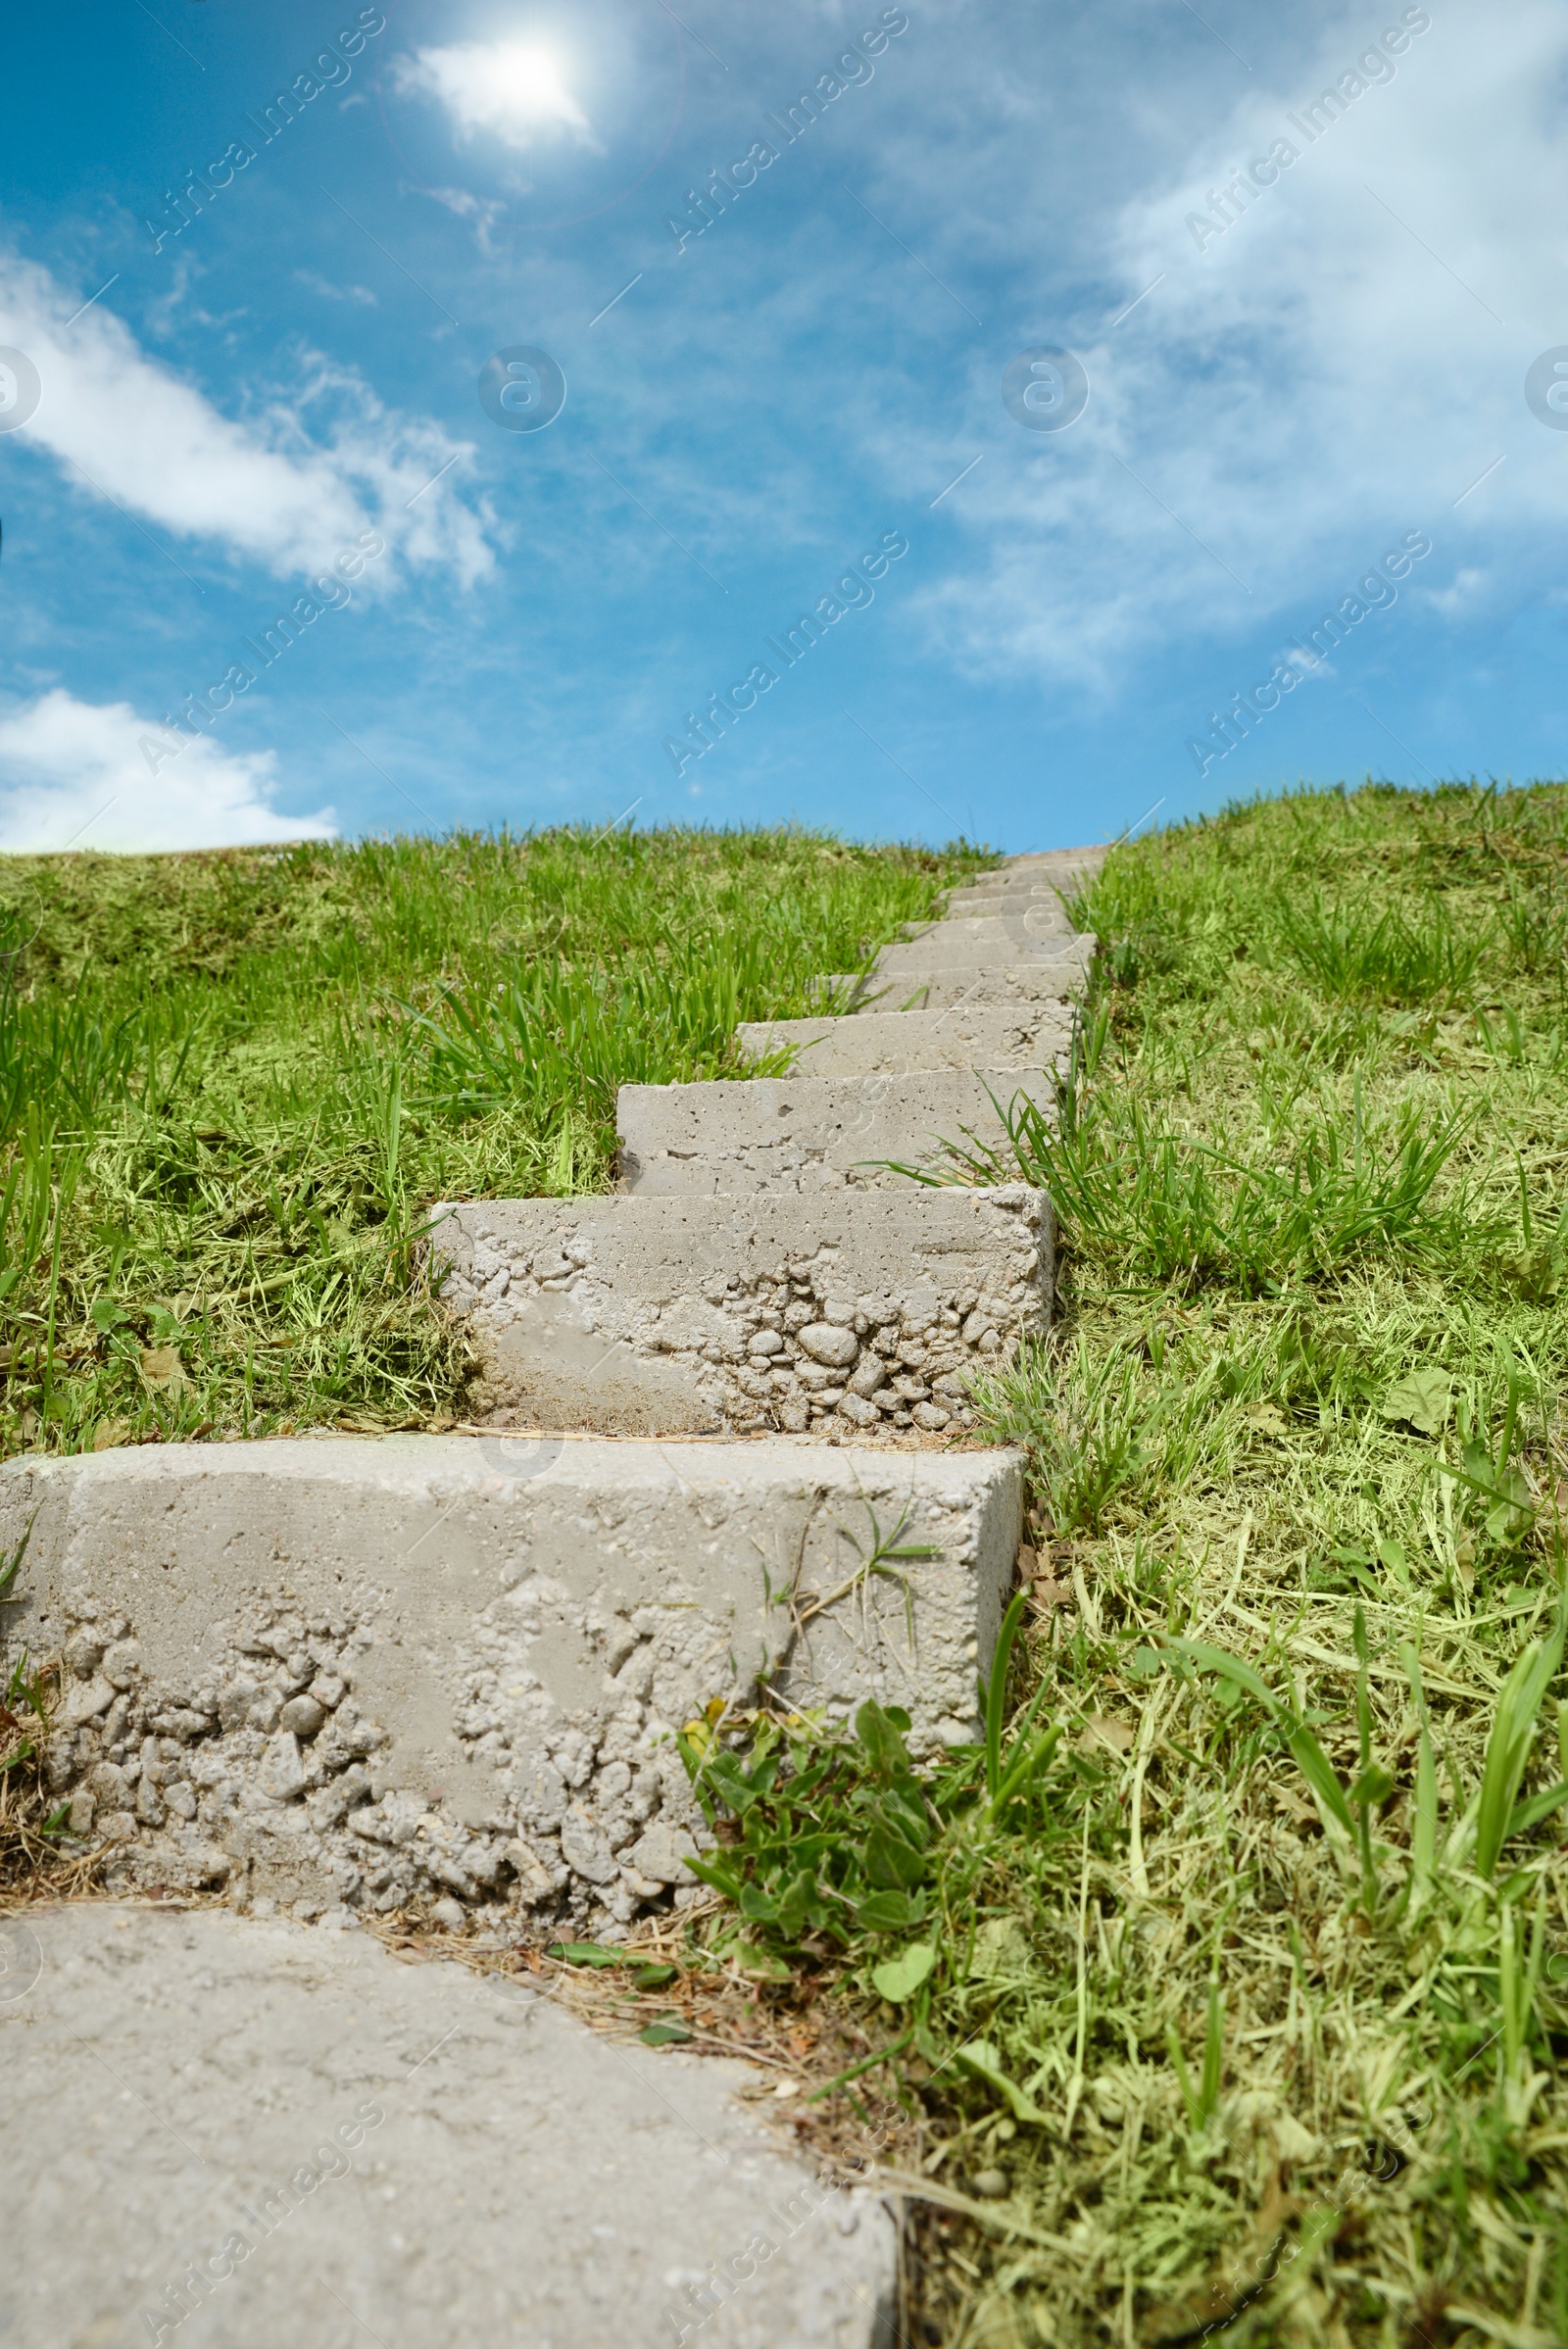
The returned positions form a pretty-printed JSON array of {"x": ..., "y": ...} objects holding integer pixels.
[
  {"x": 527, "y": 81},
  {"x": 514, "y": 89}
]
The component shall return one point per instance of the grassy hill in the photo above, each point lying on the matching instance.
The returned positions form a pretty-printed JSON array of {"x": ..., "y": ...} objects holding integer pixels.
[
  {"x": 228, "y": 1082},
  {"x": 1225, "y": 1988}
]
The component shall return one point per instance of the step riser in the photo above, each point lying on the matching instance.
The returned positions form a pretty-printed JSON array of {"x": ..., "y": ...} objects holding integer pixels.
[
  {"x": 520, "y": 1628},
  {"x": 901, "y": 1042},
  {"x": 802, "y": 1135},
  {"x": 944, "y": 948},
  {"x": 943, "y": 986},
  {"x": 978, "y": 904},
  {"x": 1048, "y": 860},
  {"x": 1054, "y": 970},
  {"x": 1030, "y": 936},
  {"x": 1023, "y": 894},
  {"x": 637, "y": 1316}
]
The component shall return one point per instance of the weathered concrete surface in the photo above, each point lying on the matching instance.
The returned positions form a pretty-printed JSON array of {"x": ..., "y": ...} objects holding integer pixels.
[
  {"x": 1002, "y": 1038},
  {"x": 669, "y": 1316},
  {"x": 1030, "y": 900},
  {"x": 939, "y": 986},
  {"x": 1047, "y": 881},
  {"x": 807, "y": 1134},
  {"x": 297, "y": 2139},
  {"x": 1043, "y": 864},
  {"x": 992, "y": 888},
  {"x": 369, "y": 1671},
  {"x": 962, "y": 940}
]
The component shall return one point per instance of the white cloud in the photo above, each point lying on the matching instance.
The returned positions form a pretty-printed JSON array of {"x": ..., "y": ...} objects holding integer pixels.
[
  {"x": 335, "y": 293},
  {"x": 508, "y": 88},
  {"x": 1342, "y": 362},
  {"x": 126, "y": 427},
  {"x": 72, "y": 774}
]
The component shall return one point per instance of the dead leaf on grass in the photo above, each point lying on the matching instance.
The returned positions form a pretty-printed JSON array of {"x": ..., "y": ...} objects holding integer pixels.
[
  {"x": 1101, "y": 1729},
  {"x": 1421, "y": 1398}
]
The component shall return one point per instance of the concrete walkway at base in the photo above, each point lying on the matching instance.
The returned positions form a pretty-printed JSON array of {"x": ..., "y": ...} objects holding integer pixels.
[{"x": 237, "y": 2134}]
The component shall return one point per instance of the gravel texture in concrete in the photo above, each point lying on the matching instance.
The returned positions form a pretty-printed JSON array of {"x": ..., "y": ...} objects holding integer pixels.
[
  {"x": 648, "y": 1316},
  {"x": 363, "y": 1672}
]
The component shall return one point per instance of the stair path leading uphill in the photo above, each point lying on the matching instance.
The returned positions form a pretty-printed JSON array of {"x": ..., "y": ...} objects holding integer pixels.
[{"x": 341, "y": 1674}]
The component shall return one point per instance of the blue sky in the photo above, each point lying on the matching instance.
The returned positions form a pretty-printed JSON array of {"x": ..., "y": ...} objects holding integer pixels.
[{"x": 1306, "y": 328}]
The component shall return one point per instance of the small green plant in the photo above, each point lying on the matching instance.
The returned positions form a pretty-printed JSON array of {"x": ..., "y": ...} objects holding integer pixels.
[
  {"x": 1335, "y": 1802},
  {"x": 1202, "y": 2101},
  {"x": 1030, "y": 1752},
  {"x": 829, "y": 1838},
  {"x": 1373, "y": 1783},
  {"x": 884, "y": 1556},
  {"x": 1493, "y": 1472},
  {"x": 1497, "y": 1814},
  {"x": 834, "y": 1834}
]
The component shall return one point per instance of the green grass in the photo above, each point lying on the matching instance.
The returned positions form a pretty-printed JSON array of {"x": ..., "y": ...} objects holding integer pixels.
[
  {"x": 231, "y": 1085},
  {"x": 1245, "y": 2003},
  {"x": 1224, "y": 1982}
]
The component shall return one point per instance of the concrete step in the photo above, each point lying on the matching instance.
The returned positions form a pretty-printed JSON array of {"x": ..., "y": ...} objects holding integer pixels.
[
  {"x": 667, "y": 1316},
  {"x": 441, "y": 2156},
  {"x": 939, "y": 986},
  {"x": 1046, "y": 877},
  {"x": 364, "y": 1671},
  {"x": 1008, "y": 903},
  {"x": 805, "y": 1133},
  {"x": 981, "y": 941},
  {"x": 1037, "y": 863},
  {"x": 996, "y": 888},
  {"x": 1027, "y": 1035}
]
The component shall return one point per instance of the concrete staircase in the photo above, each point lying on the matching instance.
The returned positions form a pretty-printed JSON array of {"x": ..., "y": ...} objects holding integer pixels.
[{"x": 340, "y": 1676}]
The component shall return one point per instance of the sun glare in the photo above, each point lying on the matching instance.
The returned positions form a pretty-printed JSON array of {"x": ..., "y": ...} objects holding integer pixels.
[
  {"x": 528, "y": 80},
  {"x": 512, "y": 88}
]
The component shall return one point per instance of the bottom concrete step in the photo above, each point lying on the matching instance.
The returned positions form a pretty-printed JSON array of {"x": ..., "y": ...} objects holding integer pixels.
[
  {"x": 360, "y": 1671},
  {"x": 283, "y": 2134}
]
